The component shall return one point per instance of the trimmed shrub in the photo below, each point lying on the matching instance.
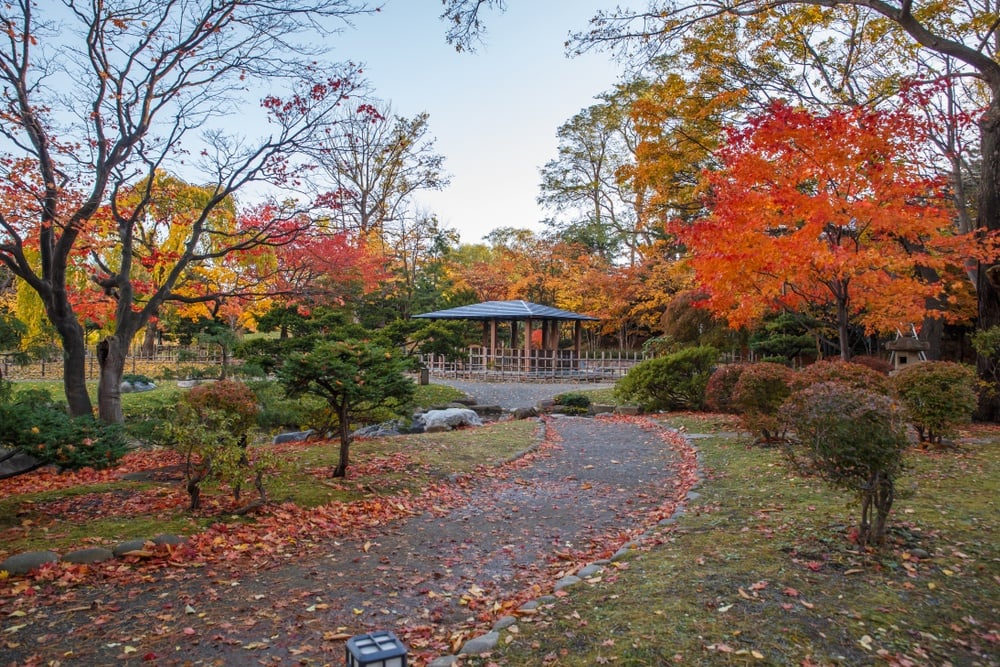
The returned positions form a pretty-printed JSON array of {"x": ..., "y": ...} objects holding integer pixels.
[
  {"x": 32, "y": 422},
  {"x": 938, "y": 396},
  {"x": 720, "y": 387},
  {"x": 854, "y": 439},
  {"x": 759, "y": 392},
  {"x": 848, "y": 373},
  {"x": 278, "y": 412},
  {"x": 573, "y": 403},
  {"x": 211, "y": 430},
  {"x": 148, "y": 414},
  {"x": 233, "y": 399},
  {"x": 573, "y": 399},
  {"x": 674, "y": 382}
]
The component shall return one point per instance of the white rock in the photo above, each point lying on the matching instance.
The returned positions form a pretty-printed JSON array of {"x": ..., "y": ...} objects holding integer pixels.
[{"x": 451, "y": 417}]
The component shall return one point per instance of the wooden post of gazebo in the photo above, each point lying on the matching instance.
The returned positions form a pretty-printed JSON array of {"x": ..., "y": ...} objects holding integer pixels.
[
  {"x": 527, "y": 345},
  {"x": 577, "y": 338}
]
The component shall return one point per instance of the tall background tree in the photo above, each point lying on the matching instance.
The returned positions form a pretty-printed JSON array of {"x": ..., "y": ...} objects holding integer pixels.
[
  {"x": 854, "y": 52},
  {"x": 98, "y": 97}
]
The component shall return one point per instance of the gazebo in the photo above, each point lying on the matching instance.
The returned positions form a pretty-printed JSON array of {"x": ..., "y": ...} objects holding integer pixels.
[{"x": 520, "y": 356}]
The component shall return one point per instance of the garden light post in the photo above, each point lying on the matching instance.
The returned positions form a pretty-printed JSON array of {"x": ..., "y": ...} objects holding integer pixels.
[{"x": 377, "y": 649}]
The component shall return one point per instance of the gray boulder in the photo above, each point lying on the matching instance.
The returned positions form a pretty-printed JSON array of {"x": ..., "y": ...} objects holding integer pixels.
[
  {"x": 525, "y": 413},
  {"x": 487, "y": 411},
  {"x": 294, "y": 436},
  {"x": 449, "y": 418},
  {"x": 17, "y": 464},
  {"x": 128, "y": 387},
  {"x": 389, "y": 428}
]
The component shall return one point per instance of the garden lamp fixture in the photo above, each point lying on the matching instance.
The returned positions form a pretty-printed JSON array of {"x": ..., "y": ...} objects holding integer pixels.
[{"x": 376, "y": 649}]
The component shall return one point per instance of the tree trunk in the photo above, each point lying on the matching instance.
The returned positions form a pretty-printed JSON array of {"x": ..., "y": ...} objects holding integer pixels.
[
  {"x": 843, "y": 329},
  {"x": 74, "y": 361},
  {"x": 149, "y": 340},
  {"x": 988, "y": 278},
  {"x": 111, "y": 360},
  {"x": 345, "y": 439}
]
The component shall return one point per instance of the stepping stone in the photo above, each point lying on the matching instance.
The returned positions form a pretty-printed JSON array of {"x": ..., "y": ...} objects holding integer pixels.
[
  {"x": 89, "y": 556},
  {"x": 172, "y": 540},
  {"x": 567, "y": 581},
  {"x": 128, "y": 547},
  {"x": 503, "y": 623},
  {"x": 483, "y": 644},
  {"x": 26, "y": 562}
]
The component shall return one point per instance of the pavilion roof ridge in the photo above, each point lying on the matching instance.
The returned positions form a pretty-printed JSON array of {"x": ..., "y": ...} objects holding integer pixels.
[{"x": 514, "y": 309}]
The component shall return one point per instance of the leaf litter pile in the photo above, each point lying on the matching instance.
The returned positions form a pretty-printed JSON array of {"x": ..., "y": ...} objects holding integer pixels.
[{"x": 436, "y": 565}]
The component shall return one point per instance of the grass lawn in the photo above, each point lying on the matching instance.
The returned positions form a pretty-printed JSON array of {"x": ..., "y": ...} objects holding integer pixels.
[
  {"x": 760, "y": 570},
  {"x": 62, "y": 512}
]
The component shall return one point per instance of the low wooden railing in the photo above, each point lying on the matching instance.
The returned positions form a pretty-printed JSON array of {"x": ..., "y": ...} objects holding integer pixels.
[{"x": 537, "y": 365}]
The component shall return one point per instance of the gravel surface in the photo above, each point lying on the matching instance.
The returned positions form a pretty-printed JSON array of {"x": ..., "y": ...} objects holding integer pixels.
[{"x": 513, "y": 395}]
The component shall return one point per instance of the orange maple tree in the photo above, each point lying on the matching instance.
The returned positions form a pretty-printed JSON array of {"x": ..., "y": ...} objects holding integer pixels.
[{"x": 825, "y": 213}]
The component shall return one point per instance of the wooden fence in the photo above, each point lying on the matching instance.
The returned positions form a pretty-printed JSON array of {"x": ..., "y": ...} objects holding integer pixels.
[{"x": 166, "y": 362}]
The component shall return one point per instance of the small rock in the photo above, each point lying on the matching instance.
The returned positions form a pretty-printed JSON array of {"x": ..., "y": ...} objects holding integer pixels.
[
  {"x": 482, "y": 644},
  {"x": 919, "y": 553},
  {"x": 589, "y": 570},
  {"x": 172, "y": 540},
  {"x": 601, "y": 409},
  {"x": 88, "y": 556},
  {"x": 26, "y": 562},
  {"x": 693, "y": 495},
  {"x": 529, "y": 605}
]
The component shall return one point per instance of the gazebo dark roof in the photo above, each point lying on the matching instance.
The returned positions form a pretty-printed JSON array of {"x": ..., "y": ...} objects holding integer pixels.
[{"x": 506, "y": 310}]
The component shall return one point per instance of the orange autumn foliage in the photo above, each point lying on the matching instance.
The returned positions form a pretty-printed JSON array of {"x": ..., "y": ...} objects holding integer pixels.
[{"x": 825, "y": 212}]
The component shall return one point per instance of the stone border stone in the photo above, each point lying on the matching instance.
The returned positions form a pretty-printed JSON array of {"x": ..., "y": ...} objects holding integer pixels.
[{"x": 28, "y": 561}]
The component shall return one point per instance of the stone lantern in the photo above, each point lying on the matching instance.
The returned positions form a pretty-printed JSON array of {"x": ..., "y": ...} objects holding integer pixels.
[{"x": 906, "y": 351}]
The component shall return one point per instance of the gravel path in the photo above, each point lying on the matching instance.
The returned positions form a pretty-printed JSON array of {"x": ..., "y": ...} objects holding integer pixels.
[
  {"x": 513, "y": 395},
  {"x": 592, "y": 484}
]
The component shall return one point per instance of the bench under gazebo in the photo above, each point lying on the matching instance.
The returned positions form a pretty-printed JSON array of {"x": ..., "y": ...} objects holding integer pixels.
[{"x": 512, "y": 351}]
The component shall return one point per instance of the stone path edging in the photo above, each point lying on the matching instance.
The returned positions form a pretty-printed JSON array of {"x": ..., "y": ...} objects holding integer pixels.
[{"x": 25, "y": 562}]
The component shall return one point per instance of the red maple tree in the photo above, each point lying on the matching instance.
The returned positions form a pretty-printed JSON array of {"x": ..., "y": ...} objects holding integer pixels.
[{"x": 825, "y": 213}]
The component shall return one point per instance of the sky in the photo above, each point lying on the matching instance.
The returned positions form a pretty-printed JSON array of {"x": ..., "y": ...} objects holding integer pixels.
[{"x": 494, "y": 112}]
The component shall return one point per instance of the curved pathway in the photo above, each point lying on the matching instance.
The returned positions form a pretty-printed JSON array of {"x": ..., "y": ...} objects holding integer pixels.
[
  {"x": 440, "y": 576},
  {"x": 513, "y": 395}
]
